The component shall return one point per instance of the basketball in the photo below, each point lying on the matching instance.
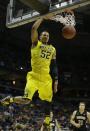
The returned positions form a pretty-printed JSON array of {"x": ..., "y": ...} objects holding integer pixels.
[{"x": 68, "y": 32}]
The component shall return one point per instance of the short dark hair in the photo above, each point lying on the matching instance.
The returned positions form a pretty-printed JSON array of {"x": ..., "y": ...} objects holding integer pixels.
[
  {"x": 82, "y": 102},
  {"x": 44, "y": 31}
]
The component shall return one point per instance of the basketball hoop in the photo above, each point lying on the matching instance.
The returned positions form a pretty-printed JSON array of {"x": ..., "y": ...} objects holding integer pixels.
[{"x": 66, "y": 17}]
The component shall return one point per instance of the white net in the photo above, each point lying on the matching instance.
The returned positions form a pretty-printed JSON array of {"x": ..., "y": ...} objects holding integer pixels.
[{"x": 66, "y": 18}]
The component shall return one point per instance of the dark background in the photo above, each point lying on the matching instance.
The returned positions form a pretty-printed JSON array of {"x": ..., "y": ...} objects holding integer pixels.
[{"x": 72, "y": 55}]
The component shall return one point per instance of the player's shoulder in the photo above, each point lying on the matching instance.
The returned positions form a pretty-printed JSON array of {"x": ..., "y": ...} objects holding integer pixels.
[
  {"x": 36, "y": 45},
  {"x": 39, "y": 43},
  {"x": 88, "y": 113},
  {"x": 53, "y": 48}
]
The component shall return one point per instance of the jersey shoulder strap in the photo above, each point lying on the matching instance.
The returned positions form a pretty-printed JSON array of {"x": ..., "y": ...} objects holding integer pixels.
[{"x": 86, "y": 114}]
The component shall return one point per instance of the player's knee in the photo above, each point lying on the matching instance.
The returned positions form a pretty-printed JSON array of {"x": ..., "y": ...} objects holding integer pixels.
[
  {"x": 26, "y": 98},
  {"x": 47, "y": 107}
]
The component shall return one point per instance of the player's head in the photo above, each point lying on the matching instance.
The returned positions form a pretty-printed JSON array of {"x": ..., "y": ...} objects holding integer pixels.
[
  {"x": 82, "y": 106},
  {"x": 51, "y": 114},
  {"x": 44, "y": 36}
]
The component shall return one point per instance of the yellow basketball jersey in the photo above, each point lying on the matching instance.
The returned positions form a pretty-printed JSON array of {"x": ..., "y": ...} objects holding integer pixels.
[{"x": 41, "y": 56}]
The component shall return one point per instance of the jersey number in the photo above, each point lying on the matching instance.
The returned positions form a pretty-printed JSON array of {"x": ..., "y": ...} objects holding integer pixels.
[
  {"x": 80, "y": 122},
  {"x": 45, "y": 54}
]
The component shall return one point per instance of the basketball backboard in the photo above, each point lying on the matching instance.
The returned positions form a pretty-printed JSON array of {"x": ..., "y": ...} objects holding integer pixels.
[{"x": 19, "y": 14}]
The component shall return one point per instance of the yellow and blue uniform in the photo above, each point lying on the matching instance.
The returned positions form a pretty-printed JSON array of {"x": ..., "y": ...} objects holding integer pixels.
[{"x": 39, "y": 78}]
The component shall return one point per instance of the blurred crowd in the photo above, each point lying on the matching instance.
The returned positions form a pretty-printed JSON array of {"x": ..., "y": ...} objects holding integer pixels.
[{"x": 30, "y": 117}]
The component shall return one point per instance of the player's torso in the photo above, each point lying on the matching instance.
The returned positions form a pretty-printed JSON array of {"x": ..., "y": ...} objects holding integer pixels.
[
  {"x": 50, "y": 126},
  {"x": 81, "y": 118},
  {"x": 41, "y": 56}
]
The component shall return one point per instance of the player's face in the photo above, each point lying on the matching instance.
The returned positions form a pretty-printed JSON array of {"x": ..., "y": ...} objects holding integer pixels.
[
  {"x": 82, "y": 106},
  {"x": 44, "y": 37},
  {"x": 51, "y": 114}
]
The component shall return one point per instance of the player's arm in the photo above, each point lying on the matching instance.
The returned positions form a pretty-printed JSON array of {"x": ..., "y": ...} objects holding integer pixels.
[
  {"x": 57, "y": 125},
  {"x": 54, "y": 71},
  {"x": 42, "y": 128},
  {"x": 34, "y": 31},
  {"x": 72, "y": 121},
  {"x": 88, "y": 117}
]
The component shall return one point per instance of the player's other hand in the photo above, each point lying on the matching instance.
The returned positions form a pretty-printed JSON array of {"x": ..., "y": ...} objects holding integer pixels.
[
  {"x": 77, "y": 125},
  {"x": 55, "y": 86}
]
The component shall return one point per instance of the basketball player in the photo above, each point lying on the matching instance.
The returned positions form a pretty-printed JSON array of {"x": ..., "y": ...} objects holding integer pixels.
[
  {"x": 50, "y": 124},
  {"x": 43, "y": 54},
  {"x": 79, "y": 118}
]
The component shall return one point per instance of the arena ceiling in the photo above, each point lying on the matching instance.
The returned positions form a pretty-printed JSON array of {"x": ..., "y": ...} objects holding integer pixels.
[{"x": 72, "y": 55}]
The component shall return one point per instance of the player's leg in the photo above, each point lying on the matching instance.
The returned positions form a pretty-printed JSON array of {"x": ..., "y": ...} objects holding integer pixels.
[
  {"x": 30, "y": 89},
  {"x": 46, "y": 94},
  {"x": 46, "y": 110},
  {"x": 26, "y": 99},
  {"x": 45, "y": 89},
  {"x": 18, "y": 99},
  {"x": 49, "y": 121}
]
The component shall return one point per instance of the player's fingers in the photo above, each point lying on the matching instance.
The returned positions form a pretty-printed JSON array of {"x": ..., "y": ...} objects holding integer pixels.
[{"x": 48, "y": 16}]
